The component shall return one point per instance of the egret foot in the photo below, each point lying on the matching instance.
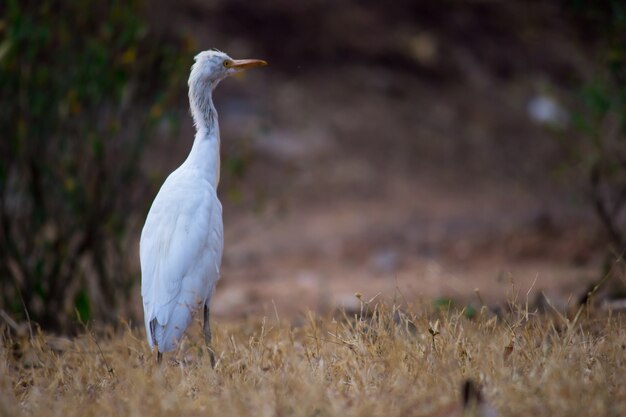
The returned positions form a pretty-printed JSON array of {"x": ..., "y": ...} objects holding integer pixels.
[{"x": 206, "y": 329}]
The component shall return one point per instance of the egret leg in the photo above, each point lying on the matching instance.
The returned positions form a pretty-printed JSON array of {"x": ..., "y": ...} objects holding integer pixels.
[
  {"x": 206, "y": 328},
  {"x": 154, "y": 341}
]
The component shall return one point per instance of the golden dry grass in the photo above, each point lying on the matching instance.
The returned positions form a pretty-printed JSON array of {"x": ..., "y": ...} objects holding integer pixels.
[{"x": 391, "y": 363}]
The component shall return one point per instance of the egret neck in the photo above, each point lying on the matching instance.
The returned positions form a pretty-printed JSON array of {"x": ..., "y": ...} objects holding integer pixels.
[{"x": 205, "y": 152}]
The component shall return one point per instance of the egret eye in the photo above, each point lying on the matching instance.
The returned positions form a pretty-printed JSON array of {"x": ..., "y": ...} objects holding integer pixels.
[{"x": 228, "y": 63}]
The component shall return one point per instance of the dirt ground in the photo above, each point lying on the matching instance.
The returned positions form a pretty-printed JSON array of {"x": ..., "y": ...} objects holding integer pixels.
[{"x": 390, "y": 151}]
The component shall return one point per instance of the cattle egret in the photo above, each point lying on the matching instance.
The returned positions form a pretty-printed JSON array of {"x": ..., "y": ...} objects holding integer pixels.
[{"x": 182, "y": 240}]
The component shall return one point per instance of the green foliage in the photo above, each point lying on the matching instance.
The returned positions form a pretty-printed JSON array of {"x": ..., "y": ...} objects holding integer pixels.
[
  {"x": 82, "y": 305},
  {"x": 443, "y": 303},
  {"x": 82, "y": 85},
  {"x": 602, "y": 120}
]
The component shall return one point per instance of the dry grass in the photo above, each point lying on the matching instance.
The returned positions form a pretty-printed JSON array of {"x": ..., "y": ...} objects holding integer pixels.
[{"x": 389, "y": 363}]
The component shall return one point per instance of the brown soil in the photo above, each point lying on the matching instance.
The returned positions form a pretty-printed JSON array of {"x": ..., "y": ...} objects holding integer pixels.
[{"x": 390, "y": 152}]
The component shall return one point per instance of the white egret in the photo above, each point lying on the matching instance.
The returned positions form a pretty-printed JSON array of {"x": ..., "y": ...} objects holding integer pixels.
[{"x": 182, "y": 240}]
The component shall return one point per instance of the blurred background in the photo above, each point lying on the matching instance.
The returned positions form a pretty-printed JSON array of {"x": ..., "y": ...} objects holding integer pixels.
[{"x": 453, "y": 151}]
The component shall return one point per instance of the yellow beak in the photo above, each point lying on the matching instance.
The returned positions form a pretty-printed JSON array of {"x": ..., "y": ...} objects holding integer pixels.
[{"x": 242, "y": 64}]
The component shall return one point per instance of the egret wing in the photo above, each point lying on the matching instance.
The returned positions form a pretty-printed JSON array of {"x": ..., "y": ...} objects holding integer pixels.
[{"x": 183, "y": 234}]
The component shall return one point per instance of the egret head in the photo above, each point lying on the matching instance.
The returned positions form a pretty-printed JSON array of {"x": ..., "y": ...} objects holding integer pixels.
[
  {"x": 210, "y": 68},
  {"x": 213, "y": 66}
]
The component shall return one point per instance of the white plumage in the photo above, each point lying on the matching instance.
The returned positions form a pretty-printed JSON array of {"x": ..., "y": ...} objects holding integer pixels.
[
  {"x": 183, "y": 239},
  {"x": 181, "y": 251}
]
